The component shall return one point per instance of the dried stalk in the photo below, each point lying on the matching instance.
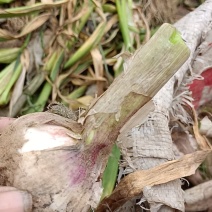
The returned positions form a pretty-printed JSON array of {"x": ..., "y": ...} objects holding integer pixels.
[
  {"x": 145, "y": 75},
  {"x": 133, "y": 184}
]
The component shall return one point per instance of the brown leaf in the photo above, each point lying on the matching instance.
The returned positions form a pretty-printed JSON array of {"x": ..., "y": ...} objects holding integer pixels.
[
  {"x": 98, "y": 67},
  {"x": 35, "y": 23},
  {"x": 134, "y": 183},
  {"x": 31, "y": 26}
]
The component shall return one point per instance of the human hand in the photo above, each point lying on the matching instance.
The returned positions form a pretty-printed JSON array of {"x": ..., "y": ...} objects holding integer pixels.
[{"x": 12, "y": 199}]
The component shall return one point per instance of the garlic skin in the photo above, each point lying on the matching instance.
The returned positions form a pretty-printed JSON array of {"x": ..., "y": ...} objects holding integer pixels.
[
  {"x": 51, "y": 136},
  {"x": 39, "y": 153}
]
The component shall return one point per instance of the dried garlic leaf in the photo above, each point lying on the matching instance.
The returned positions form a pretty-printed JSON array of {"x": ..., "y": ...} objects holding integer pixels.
[{"x": 134, "y": 183}]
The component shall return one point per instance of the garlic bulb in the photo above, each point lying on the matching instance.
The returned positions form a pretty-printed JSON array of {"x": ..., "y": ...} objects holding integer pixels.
[{"x": 42, "y": 153}]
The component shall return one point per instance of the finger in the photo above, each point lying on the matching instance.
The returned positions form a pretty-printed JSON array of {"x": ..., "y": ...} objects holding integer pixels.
[
  {"x": 4, "y": 122},
  {"x": 13, "y": 200}
]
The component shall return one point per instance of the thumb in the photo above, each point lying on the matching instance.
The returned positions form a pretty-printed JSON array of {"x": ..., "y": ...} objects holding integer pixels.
[{"x": 13, "y": 200}]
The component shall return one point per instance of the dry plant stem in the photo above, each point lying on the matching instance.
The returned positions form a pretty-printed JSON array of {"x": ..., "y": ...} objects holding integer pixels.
[
  {"x": 199, "y": 197},
  {"x": 147, "y": 72},
  {"x": 136, "y": 182},
  {"x": 150, "y": 143}
]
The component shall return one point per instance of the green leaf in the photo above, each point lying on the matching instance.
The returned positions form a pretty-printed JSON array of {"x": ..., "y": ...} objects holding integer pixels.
[
  {"x": 20, "y": 11},
  {"x": 92, "y": 42},
  {"x": 110, "y": 173}
]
